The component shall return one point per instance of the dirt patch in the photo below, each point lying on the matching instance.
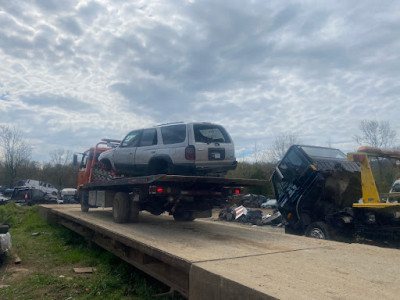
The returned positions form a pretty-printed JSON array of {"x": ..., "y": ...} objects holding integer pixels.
[{"x": 10, "y": 272}]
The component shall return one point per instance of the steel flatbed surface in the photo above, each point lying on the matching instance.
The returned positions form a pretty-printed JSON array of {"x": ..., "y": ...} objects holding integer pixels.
[{"x": 176, "y": 179}]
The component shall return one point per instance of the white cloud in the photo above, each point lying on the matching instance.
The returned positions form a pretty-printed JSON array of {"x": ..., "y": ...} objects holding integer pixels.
[{"x": 77, "y": 71}]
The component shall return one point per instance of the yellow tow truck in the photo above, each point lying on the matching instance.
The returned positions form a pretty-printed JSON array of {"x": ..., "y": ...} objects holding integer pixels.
[{"x": 371, "y": 201}]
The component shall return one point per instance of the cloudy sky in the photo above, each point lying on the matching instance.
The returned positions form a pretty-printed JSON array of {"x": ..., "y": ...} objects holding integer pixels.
[{"x": 73, "y": 72}]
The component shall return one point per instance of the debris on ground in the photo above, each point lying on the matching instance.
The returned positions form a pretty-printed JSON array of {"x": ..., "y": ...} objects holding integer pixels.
[
  {"x": 254, "y": 217},
  {"x": 252, "y": 200},
  {"x": 17, "y": 260},
  {"x": 84, "y": 270},
  {"x": 270, "y": 203},
  {"x": 274, "y": 219},
  {"x": 227, "y": 214},
  {"x": 240, "y": 211},
  {"x": 5, "y": 243}
]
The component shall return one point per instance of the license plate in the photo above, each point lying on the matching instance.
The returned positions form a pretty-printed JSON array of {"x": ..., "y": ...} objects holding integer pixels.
[{"x": 217, "y": 155}]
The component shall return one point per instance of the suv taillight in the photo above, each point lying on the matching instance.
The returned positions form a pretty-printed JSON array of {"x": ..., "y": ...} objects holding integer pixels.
[{"x": 190, "y": 152}]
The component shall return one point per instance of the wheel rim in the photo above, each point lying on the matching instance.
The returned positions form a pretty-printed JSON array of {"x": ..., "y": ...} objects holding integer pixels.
[{"x": 317, "y": 233}]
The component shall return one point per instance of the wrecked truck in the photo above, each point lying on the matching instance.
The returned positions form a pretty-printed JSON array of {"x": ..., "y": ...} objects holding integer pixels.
[{"x": 316, "y": 188}]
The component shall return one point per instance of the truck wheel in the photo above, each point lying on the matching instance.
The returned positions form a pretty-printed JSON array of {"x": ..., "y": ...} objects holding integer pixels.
[
  {"x": 121, "y": 207},
  {"x": 134, "y": 212},
  {"x": 84, "y": 201},
  {"x": 318, "y": 230},
  {"x": 185, "y": 216}
]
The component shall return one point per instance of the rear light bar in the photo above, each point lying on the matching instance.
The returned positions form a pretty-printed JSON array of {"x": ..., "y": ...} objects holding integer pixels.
[
  {"x": 159, "y": 190},
  {"x": 163, "y": 190}
]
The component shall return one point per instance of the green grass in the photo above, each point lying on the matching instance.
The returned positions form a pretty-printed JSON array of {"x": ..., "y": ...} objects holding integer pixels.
[{"x": 48, "y": 259}]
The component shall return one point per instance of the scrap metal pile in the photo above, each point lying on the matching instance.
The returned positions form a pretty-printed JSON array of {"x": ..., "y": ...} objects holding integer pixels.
[{"x": 241, "y": 213}]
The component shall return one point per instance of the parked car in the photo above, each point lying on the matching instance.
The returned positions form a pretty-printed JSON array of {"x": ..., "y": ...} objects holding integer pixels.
[
  {"x": 40, "y": 185},
  {"x": 178, "y": 148},
  {"x": 68, "y": 196},
  {"x": 7, "y": 193},
  {"x": 3, "y": 199},
  {"x": 394, "y": 192},
  {"x": 32, "y": 196}
]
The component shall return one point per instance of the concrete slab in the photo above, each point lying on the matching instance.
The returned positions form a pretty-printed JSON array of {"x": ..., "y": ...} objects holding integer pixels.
[{"x": 236, "y": 262}]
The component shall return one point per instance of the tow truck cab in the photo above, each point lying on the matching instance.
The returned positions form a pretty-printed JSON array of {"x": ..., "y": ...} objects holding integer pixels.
[{"x": 315, "y": 184}]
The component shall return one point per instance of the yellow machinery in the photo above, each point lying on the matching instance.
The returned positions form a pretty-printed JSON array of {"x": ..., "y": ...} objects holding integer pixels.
[{"x": 370, "y": 195}]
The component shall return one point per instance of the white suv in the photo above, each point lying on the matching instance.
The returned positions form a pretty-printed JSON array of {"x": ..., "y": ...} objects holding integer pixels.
[{"x": 177, "y": 148}]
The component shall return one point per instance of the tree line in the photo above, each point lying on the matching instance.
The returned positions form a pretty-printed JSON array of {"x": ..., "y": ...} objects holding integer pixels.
[{"x": 16, "y": 163}]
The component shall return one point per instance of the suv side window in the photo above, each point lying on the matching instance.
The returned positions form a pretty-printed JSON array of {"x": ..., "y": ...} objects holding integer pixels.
[
  {"x": 19, "y": 194},
  {"x": 149, "y": 137},
  {"x": 132, "y": 139},
  {"x": 173, "y": 134}
]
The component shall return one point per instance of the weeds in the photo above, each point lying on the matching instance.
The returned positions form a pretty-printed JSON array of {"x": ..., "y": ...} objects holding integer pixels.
[{"x": 48, "y": 259}]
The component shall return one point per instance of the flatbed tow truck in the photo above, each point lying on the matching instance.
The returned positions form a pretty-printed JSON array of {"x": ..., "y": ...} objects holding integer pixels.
[{"x": 184, "y": 197}]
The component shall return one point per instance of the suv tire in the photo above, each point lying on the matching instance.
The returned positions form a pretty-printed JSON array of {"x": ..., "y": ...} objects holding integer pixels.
[{"x": 159, "y": 166}]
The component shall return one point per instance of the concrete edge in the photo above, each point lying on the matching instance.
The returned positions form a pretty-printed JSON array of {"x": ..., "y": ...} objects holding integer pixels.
[{"x": 206, "y": 285}]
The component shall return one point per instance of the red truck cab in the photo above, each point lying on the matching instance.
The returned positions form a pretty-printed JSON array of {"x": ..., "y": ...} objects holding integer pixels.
[{"x": 87, "y": 168}]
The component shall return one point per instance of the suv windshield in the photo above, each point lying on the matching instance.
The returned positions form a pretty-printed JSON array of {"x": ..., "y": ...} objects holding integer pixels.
[
  {"x": 291, "y": 170},
  {"x": 209, "y": 133},
  {"x": 323, "y": 152}
]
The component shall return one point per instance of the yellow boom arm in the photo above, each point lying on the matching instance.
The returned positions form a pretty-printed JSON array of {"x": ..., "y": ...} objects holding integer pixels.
[{"x": 369, "y": 190}]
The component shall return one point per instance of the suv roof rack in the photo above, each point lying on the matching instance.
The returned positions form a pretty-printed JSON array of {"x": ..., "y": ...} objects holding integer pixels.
[{"x": 170, "y": 123}]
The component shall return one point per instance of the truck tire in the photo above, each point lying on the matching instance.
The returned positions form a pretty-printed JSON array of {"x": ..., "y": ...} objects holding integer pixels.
[
  {"x": 84, "y": 198},
  {"x": 120, "y": 208},
  {"x": 318, "y": 230},
  {"x": 184, "y": 216},
  {"x": 134, "y": 212}
]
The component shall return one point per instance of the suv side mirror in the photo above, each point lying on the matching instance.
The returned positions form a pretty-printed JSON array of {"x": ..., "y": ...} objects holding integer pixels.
[{"x": 75, "y": 160}]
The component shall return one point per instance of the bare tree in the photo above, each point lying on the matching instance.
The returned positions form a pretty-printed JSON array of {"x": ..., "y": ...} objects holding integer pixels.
[
  {"x": 60, "y": 156},
  {"x": 281, "y": 144},
  {"x": 376, "y": 134},
  {"x": 60, "y": 171},
  {"x": 16, "y": 152}
]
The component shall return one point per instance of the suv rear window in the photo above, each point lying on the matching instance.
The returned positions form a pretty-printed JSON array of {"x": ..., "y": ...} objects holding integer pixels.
[
  {"x": 209, "y": 133},
  {"x": 173, "y": 134},
  {"x": 20, "y": 194}
]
